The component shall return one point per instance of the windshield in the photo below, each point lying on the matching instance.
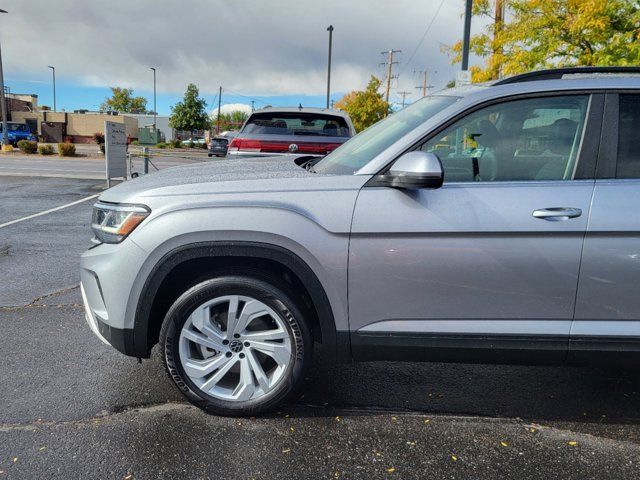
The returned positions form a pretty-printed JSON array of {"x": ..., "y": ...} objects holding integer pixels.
[
  {"x": 15, "y": 127},
  {"x": 361, "y": 149},
  {"x": 296, "y": 124}
]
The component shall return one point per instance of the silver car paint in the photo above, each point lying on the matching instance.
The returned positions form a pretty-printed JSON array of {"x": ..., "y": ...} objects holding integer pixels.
[
  {"x": 466, "y": 251},
  {"x": 608, "y": 288},
  {"x": 311, "y": 215},
  {"x": 308, "y": 214}
]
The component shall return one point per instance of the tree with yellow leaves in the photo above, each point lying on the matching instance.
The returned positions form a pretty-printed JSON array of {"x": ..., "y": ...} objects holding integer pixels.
[
  {"x": 536, "y": 34},
  {"x": 365, "y": 107}
]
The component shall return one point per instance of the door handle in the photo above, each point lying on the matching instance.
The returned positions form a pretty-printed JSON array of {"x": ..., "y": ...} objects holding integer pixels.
[{"x": 557, "y": 214}]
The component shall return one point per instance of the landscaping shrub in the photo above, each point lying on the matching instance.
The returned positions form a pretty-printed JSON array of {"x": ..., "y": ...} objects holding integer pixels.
[
  {"x": 98, "y": 137},
  {"x": 66, "y": 149},
  {"x": 45, "y": 149},
  {"x": 192, "y": 145},
  {"x": 161, "y": 145},
  {"x": 27, "y": 146},
  {"x": 175, "y": 143},
  {"x": 135, "y": 142}
]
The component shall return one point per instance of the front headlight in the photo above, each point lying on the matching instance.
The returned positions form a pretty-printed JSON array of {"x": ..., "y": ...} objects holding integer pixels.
[{"x": 113, "y": 222}]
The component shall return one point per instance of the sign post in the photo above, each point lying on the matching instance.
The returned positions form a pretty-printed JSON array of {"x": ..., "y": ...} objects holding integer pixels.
[
  {"x": 463, "y": 78},
  {"x": 115, "y": 153}
]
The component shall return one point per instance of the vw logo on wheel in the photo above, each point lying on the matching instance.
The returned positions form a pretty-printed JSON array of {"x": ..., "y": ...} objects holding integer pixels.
[{"x": 293, "y": 147}]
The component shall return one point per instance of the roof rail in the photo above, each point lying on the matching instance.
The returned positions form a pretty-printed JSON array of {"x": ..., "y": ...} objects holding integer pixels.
[{"x": 558, "y": 73}]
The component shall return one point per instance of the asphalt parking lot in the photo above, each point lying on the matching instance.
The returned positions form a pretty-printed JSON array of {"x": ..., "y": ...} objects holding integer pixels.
[{"x": 75, "y": 408}]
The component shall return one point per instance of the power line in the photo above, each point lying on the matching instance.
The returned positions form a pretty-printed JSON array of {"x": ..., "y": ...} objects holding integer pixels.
[
  {"x": 251, "y": 98},
  {"x": 424, "y": 35}
]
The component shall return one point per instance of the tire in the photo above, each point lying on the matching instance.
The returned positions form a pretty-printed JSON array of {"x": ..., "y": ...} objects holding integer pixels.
[
  {"x": 248, "y": 292},
  {"x": 209, "y": 155}
]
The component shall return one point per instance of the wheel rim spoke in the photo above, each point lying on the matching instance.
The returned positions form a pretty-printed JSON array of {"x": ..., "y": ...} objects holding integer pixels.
[
  {"x": 202, "y": 340},
  {"x": 245, "y": 388},
  {"x": 202, "y": 368},
  {"x": 219, "y": 375},
  {"x": 258, "y": 371},
  {"x": 250, "y": 311},
  {"x": 279, "y": 352},
  {"x": 276, "y": 334}
]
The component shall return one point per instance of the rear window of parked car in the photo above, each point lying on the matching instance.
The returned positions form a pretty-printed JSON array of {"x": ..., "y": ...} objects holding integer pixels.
[{"x": 296, "y": 124}]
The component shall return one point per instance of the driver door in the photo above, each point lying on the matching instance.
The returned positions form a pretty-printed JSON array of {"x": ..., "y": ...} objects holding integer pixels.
[{"x": 485, "y": 267}]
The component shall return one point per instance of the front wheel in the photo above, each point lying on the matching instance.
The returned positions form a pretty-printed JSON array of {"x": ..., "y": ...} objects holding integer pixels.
[{"x": 236, "y": 345}]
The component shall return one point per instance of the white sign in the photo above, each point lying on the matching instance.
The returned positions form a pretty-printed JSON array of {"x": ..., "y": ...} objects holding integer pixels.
[
  {"x": 463, "y": 78},
  {"x": 115, "y": 142}
]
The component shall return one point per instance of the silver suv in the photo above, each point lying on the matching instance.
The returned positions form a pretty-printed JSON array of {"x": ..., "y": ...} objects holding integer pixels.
[{"x": 491, "y": 223}]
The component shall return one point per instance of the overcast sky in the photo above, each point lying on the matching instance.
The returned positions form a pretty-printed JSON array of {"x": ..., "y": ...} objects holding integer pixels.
[{"x": 260, "y": 49}]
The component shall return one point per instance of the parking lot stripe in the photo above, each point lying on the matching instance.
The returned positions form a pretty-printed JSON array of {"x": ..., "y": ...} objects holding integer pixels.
[{"x": 51, "y": 210}]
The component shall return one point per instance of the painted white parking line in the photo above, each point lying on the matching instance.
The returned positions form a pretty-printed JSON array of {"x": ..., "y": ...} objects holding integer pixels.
[{"x": 51, "y": 210}]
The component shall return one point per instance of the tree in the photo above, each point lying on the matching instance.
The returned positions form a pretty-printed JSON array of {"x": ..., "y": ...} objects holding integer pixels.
[
  {"x": 231, "y": 120},
  {"x": 190, "y": 114},
  {"x": 365, "y": 107},
  {"x": 122, "y": 100},
  {"x": 554, "y": 33}
]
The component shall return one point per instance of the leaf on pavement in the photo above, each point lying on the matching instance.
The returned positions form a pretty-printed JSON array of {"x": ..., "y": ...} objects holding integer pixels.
[
  {"x": 391, "y": 470},
  {"x": 504, "y": 444},
  {"x": 454, "y": 458},
  {"x": 573, "y": 443}
]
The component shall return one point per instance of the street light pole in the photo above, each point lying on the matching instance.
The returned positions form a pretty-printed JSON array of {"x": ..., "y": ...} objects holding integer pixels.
[
  {"x": 154, "y": 100},
  {"x": 330, "y": 30},
  {"x": 53, "y": 69},
  {"x": 5, "y": 128},
  {"x": 467, "y": 35}
]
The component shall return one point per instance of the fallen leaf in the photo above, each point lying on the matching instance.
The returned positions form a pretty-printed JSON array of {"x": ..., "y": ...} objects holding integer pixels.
[
  {"x": 286, "y": 450},
  {"x": 291, "y": 429},
  {"x": 15, "y": 459},
  {"x": 454, "y": 458},
  {"x": 573, "y": 443},
  {"x": 411, "y": 443},
  {"x": 129, "y": 477},
  {"x": 504, "y": 444},
  {"x": 337, "y": 419},
  {"x": 391, "y": 470},
  {"x": 394, "y": 418}
]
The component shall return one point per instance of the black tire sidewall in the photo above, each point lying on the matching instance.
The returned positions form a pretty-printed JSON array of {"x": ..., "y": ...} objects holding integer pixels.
[{"x": 268, "y": 293}]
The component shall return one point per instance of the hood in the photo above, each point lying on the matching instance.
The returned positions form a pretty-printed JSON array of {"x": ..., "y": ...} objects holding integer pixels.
[{"x": 227, "y": 175}]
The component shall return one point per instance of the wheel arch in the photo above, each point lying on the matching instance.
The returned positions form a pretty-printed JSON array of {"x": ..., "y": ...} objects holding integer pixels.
[{"x": 225, "y": 254}]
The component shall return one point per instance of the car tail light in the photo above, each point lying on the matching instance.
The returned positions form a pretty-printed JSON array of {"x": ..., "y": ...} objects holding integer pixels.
[{"x": 272, "y": 146}]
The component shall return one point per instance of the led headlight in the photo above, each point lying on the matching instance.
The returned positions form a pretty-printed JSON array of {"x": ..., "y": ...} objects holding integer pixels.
[{"x": 112, "y": 222}]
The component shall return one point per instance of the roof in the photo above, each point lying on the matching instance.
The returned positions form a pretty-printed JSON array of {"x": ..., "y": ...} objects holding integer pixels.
[{"x": 319, "y": 111}]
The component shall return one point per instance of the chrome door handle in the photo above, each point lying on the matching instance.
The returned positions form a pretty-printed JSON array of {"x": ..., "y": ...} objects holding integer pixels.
[{"x": 557, "y": 214}]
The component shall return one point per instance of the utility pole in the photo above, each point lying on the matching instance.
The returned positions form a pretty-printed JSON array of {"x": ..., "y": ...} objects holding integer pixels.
[
  {"x": 404, "y": 94},
  {"x": 466, "y": 35},
  {"x": 497, "y": 52},
  {"x": 219, "y": 105},
  {"x": 5, "y": 128},
  {"x": 425, "y": 85},
  {"x": 253, "y": 102},
  {"x": 53, "y": 70},
  {"x": 389, "y": 63},
  {"x": 155, "y": 111},
  {"x": 330, "y": 30}
]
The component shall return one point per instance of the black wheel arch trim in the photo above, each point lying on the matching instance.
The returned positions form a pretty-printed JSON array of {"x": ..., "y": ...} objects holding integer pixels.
[{"x": 335, "y": 346}]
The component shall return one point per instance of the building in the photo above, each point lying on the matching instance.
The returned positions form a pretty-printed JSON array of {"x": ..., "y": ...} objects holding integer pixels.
[
  {"x": 162, "y": 123},
  {"x": 76, "y": 127}
]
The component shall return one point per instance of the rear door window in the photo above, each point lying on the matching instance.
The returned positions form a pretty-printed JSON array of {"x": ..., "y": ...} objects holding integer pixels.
[
  {"x": 308, "y": 124},
  {"x": 628, "y": 128}
]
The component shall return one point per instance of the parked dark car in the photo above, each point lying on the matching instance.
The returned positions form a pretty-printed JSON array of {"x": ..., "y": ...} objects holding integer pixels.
[
  {"x": 291, "y": 131},
  {"x": 218, "y": 147}
]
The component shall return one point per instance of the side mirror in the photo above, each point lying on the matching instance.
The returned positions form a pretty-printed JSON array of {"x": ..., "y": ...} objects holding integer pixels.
[{"x": 416, "y": 170}]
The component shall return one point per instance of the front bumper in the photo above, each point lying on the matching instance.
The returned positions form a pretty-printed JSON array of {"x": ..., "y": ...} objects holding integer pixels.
[{"x": 107, "y": 281}]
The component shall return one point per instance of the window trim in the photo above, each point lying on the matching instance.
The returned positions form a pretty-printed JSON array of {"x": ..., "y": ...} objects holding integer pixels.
[{"x": 586, "y": 160}]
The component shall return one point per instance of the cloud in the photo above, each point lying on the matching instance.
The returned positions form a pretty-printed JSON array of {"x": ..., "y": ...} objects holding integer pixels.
[
  {"x": 250, "y": 47},
  {"x": 230, "y": 107}
]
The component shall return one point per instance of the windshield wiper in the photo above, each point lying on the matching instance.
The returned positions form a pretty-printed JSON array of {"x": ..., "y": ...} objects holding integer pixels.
[{"x": 307, "y": 162}]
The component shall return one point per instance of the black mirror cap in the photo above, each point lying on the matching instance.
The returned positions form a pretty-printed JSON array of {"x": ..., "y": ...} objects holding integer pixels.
[{"x": 406, "y": 182}]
